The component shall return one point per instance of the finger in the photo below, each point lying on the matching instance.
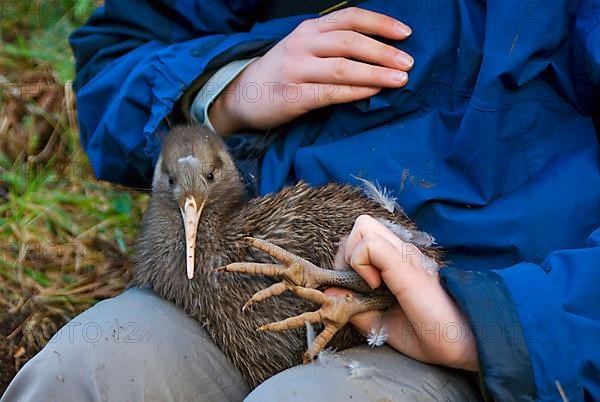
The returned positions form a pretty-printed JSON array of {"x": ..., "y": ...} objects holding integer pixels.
[
  {"x": 406, "y": 279},
  {"x": 309, "y": 96},
  {"x": 402, "y": 335},
  {"x": 367, "y": 320},
  {"x": 375, "y": 257},
  {"x": 364, "y": 225},
  {"x": 338, "y": 70},
  {"x": 366, "y": 258},
  {"x": 338, "y": 260},
  {"x": 365, "y": 21},
  {"x": 351, "y": 44},
  {"x": 400, "y": 268},
  {"x": 328, "y": 94}
]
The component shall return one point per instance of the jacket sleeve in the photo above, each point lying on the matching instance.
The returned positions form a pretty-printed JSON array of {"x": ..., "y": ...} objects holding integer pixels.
[
  {"x": 537, "y": 328},
  {"x": 586, "y": 58},
  {"x": 136, "y": 58}
]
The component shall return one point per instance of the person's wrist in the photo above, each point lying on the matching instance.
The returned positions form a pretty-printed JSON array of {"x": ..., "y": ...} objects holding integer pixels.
[
  {"x": 469, "y": 361},
  {"x": 465, "y": 351},
  {"x": 215, "y": 106},
  {"x": 222, "y": 113}
]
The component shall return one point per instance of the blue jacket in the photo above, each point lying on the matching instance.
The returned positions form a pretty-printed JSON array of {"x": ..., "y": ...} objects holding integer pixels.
[{"x": 489, "y": 147}]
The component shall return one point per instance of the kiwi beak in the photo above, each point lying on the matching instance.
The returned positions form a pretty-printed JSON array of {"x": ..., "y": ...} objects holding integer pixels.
[{"x": 191, "y": 216}]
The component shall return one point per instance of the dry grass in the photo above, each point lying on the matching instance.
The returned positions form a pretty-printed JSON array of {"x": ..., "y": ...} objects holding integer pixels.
[{"x": 64, "y": 237}]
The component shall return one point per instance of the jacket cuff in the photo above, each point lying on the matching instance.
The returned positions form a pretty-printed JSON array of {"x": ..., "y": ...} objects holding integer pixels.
[
  {"x": 177, "y": 69},
  {"x": 503, "y": 355},
  {"x": 185, "y": 101},
  {"x": 213, "y": 87}
]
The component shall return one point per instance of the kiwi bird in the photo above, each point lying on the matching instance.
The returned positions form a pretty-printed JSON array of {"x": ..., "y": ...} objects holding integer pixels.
[{"x": 209, "y": 249}]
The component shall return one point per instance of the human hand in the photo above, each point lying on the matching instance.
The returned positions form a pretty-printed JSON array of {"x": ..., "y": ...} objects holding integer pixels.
[
  {"x": 324, "y": 61},
  {"x": 426, "y": 324}
]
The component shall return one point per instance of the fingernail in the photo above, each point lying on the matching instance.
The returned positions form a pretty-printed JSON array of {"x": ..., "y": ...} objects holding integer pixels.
[
  {"x": 403, "y": 29},
  {"x": 404, "y": 60},
  {"x": 400, "y": 76}
]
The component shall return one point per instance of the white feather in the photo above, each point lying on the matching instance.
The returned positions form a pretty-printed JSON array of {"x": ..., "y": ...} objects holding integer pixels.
[
  {"x": 191, "y": 161},
  {"x": 310, "y": 333},
  {"x": 378, "y": 194},
  {"x": 422, "y": 238},
  {"x": 415, "y": 237},
  {"x": 157, "y": 172},
  {"x": 377, "y": 337},
  {"x": 358, "y": 372},
  {"x": 402, "y": 232},
  {"x": 328, "y": 357},
  {"x": 430, "y": 265}
]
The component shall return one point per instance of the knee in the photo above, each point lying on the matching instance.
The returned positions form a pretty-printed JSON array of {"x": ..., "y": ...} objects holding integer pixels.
[
  {"x": 120, "y": 334},
  {"x": 365, "y": 374},
  {"x": 135, "y": 346}
]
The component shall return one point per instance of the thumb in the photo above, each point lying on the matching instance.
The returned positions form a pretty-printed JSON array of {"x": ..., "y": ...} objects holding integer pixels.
[{"x": 366, "y": 321}]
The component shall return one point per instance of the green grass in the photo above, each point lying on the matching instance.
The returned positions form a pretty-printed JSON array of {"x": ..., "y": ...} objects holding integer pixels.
[
  {"x": 35, "y": 33},
  {"x": 65, "y": 238}
]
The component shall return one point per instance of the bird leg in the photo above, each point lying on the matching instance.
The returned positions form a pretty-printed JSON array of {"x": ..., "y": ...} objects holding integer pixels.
[
  {"x": 334, "y": 313},
  {"x": 293, "y": 271}
]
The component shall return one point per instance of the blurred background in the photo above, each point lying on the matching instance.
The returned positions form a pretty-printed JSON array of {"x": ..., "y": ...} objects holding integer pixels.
[{"x": 65, "y": 238}]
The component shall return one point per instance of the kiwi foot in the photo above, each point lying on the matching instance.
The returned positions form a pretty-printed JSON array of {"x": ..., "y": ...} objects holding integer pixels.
[
  {"x": 334, "y": 313},
  {"x": 293, "y": 271}
]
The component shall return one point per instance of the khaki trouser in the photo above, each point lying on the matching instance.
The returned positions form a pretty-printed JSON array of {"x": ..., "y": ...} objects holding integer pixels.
[{"x": 138, "y": 347}]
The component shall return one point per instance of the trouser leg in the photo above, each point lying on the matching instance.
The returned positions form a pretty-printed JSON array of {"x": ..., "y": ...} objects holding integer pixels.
[
  {"x": 365, "y": 374},
  {"x": 133, "y": 347},
  {"x": 139, "y": 347}
]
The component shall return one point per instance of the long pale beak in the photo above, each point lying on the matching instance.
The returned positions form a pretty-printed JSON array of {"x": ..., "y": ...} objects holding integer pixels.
[{"x": 191, "y": 217}]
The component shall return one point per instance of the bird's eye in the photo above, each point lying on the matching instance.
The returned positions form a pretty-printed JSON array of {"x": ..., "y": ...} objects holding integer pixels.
[
  {"x": 171, "y": 181},
  {"x": 210, "y": 176}
]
